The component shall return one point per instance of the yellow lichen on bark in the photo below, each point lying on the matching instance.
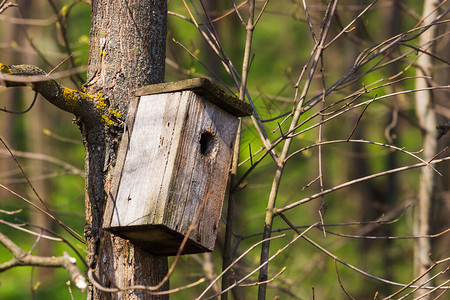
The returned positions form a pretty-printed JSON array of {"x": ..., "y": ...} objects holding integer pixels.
[
  {"x": 73, "y": 97},
  {"x": 75, "y": 101},
  {"x": 5, "y": 68},
  {"x": 112, "y": 117},
  {"x": 101, "y": 102},
  {"x": 109, "y": 116},
  {"x": 115, "y": 113},
  {"x": 107, "y": 121}
]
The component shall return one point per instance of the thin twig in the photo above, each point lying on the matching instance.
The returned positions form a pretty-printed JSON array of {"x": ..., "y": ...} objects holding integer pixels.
[
  {"x": 19, "y": 227},
  {"x": 4, "y": 6},
  {"x": 352, "y": 182},
  {"x": 414, "y": 280},
  {"x": 265, "y": 263},
  {"x": 235, "y": 9},
  {"x": 359, "y": 119},
  {"x": 345, "y": 29},
  {"x": 149, "y": 289},
  {"x": 264, "y": 282},
  {"x": 376, "y": 222},
  {"x": 340, "y": 282},
  {"x": 235, "y": 262},
  {"x": 22, "y": 258},
  {"x": 280, "y": 166},
  {"x": 152, "y": 289},
  {"x": 48, "y": 210},
  {"x": 334, "y": 257},
  {"x": 10, "y": 212},
  {"x": 24, "y": 111},
  {"x": 426, "y": 236},
  {"x": 62, "y": 28}
]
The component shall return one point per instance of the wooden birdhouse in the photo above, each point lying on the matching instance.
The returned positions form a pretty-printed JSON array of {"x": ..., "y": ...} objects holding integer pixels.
[{"x": 173, "y": 165}]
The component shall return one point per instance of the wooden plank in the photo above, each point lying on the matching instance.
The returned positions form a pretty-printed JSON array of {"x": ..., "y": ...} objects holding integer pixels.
[
  {"x": 148, "y": 165},
  {"x": 159, "y": 240},
  {"x": 206, "y": 89},
  {"x": 179, "y": 151},
  {"x": 198, "y": 174},
  {"x": 121, "y": 155}
]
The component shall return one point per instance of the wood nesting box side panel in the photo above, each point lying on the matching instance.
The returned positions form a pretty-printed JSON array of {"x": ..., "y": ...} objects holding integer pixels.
[
  {"x": 202, "y": 164},
  {"x": 174, "y": 166},
  {"x": 149, "y": 163}
]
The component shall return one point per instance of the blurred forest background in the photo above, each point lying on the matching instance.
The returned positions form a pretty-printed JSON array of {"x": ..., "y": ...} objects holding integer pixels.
[{"x": 49, "y": 146}]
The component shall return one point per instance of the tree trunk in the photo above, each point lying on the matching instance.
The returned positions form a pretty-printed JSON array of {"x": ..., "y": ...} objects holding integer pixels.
[
  {"x": 426, "y": 114},
  {"x": 39, "y": 143},
  {"x": 127, "y": 51}
]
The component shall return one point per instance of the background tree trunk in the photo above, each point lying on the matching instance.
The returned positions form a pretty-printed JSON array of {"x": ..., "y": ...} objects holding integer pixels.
[
  {"x": 426, "y": 114},
  {"x": 39, "y": 143},
  {"x": 127, "y": 51}
]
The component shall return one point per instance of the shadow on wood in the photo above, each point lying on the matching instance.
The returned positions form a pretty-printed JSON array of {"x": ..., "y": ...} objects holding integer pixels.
[{"x": 177, "y": 150}]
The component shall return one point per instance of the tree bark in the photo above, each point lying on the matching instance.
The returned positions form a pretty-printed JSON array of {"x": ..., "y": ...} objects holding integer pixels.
[
  {"x": 426, "y": 114},
  {"x": 127, "y": 51}
]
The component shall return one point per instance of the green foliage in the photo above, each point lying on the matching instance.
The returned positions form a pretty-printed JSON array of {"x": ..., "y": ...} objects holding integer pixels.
[{"x": 282, "y": 45}]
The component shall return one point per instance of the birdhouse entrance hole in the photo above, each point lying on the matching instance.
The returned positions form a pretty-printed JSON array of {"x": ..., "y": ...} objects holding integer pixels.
[
  {"x": 176, "y": 152},
  {"x": 208, "y": 143}
]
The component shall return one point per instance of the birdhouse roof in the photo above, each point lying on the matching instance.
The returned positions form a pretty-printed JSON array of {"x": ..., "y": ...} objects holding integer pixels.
[{"x": 204, "y": 88}]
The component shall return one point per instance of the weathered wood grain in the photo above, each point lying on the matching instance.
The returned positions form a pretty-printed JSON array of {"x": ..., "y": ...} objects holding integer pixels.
[
  {"x": 179, "y": 151},
  {"x": 204, "y": 88},
  {"x": 150, "y": 160}
]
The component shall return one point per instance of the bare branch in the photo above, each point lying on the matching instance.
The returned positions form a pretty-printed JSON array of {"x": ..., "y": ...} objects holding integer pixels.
[
  {"x": 7, "y": 212},
  {"x": 62, "y": 21},
  {"x": 365, "y": 142},
  {"x": 340, "y": 283},
  {"x": 355, "y": 268},
  {"x": 47, "y": 210},
  {"x": 22, "y": 258},
  {"x": 233, "y": 263},
  {"x": 417, "y": 279},
  {"x": 264, "y": 263},
  {"x": 50, "y": 159},
  {"x": 28, "y": 22},
  {"x": 352, "y": 182},
  {"x": 4, "y": 6},
  {"x": 16, "y": 226},
  {"x": 153, "y": 289},
  {"x": 92, "y": 109},
  {"x": 428, "y": 236},
  {"x": 150, "y": 290},
  {"x": 264, "y": 282},
  {"x": 346, "y": 28}
]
